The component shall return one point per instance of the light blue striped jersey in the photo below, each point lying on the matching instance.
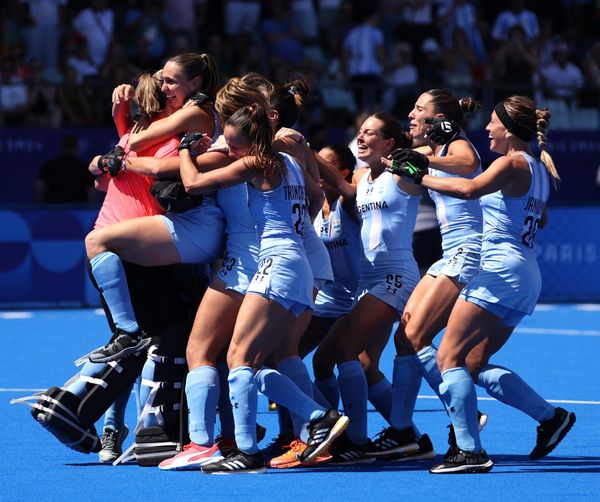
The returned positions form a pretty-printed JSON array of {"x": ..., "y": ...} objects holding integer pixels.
[
  {"x": 279, "y": 213},
  {"x": 388, "y": 215},
  {"x": 516, "y": 219},
  {"x": 341, "y": 235},
  {"x": 459, "y": 220}
]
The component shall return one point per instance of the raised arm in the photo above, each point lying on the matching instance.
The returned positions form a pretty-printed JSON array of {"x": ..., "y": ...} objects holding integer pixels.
[{"x": 192, "y": 118}]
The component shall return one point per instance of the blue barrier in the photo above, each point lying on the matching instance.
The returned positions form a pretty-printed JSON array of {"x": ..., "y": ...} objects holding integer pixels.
[{"x": 42, "y": 256}]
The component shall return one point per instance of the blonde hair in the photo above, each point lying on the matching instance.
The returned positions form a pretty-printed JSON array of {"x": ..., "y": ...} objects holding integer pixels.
[
  {"x": 148, "y": 96},
  {"x": 522, "y": 110},
  {"x": 238, "y": 93}
]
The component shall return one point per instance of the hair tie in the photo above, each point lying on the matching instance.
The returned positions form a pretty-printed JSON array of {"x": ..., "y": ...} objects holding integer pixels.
[
  {"x": 517, "y": 129},
  {"x": 293, "y": 90}
]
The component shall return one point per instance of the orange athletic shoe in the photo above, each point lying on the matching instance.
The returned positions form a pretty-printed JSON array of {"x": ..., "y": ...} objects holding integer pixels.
[{"x": 290, "y": 458}]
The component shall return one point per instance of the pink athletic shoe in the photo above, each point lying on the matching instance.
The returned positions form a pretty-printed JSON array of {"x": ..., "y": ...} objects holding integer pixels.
[{"x": 192, "y": 457}]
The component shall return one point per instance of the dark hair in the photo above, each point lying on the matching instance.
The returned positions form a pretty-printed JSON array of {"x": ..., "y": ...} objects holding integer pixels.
[
  {"x": 288, "y": 98},
  {"x": 344, "y": 156},
  {"x": 445, "y": 102},
  {"x": 199, "y": 65},
  {"x": 392, "y": 128},
  {"x": 253, "y": 122}
]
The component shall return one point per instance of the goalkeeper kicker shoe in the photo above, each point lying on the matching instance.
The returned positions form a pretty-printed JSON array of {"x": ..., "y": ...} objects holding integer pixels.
[{"x": 121, "y": 345}]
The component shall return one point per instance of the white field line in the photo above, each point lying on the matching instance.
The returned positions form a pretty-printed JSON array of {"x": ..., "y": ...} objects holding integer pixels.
[
  {"x": 558, "y": 401},
  {"x": 556, "y": 331}
]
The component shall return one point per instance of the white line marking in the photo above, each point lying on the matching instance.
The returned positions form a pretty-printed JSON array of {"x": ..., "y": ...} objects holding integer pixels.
[
  {"x": 559, "y": 401},
  {"x": 16, "y": 315},
  {"x": 563, "y": 332},
  {"x": 588, "y": 307}
]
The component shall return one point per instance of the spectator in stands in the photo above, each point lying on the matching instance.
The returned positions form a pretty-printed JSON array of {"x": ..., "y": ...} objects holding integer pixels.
[
  {"x": 514, "y": 65},
  {"x": 282, "y": 38},
  {"x": 461, "y": 14},
  {"x": 461, "y": 65},
  {"x": 13, "y": 93},
  {"x": 75, "y": 109},
  {"x": 43, "y": 30},
  {"x": 96, "y": 23},
  {"x": 430, "y": 65},
  {"x": 65, "y": 178},
  {"x": 401, "y": 80},
  {"x": 516, "y": 15},
  {"x": 364, "y": 58},
  {"x": 42, "y": 105},
  {"x": 563, "y": 79},
  {"x": 592, "y": 75}
]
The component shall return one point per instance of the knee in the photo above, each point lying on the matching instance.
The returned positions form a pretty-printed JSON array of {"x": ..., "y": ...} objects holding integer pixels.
[{"x": 94, "y": 244}]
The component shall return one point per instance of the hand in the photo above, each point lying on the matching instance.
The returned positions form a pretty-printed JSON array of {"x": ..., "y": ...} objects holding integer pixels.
[
  {"x": 407, "y": 155},
  {"x": 407, "y": 169},
  {"x": 122, "y": 93},
  {"x": 442, "y": 131},
  {"x": 190, "y": 138},
  {"x": 112, "y": 162}
]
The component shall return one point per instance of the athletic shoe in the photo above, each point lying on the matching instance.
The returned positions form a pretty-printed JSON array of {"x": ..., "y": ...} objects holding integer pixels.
[
  {"x": 121, "y": 345},
  {"x": 112, "y": 444},
  {"x": 237, "y": 463},
  {"x": 345, "y": 452},
  {"x": 482, "y": 420},
  {"x": 321, "y": 433},
  {"x": 290, "y": 458},
  {"x": 391, "y": 441},
  {"x": 463, "y": 462},
  {"x": 278, "y": 445},
  {"x": 227, "y": 446},
  {"x": 424, "y": 452},
  {"x": 551, "y": 432},
  {"x": 192, "y": 457}
]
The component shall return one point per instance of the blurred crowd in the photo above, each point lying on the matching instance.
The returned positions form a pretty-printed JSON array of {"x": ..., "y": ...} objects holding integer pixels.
[{"x": 62, "y": 58}]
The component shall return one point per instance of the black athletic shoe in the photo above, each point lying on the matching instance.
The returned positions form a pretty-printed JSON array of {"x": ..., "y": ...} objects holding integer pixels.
[
  {"x": 237, "y": 462},
  {"x": 424, "y": 452},
  {"x": 482, "y": 420},
  {"x": 551, "y": 432},
  {"x": 391, "y": 441},
  {"x": 121, "y": 345},
  {"x": 345, "y": 452},
  {"x": 463, "y": 462},
  {"x": 321, "y": 433}
]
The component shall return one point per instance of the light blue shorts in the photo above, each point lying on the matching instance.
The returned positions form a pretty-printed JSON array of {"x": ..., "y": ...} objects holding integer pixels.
[
  {"x": 460, "y": 263},
  {"x": 509, "y": 317},
  {"x": 240, "y": 264},
  {"x": 285, "y": 277},
  {"x": 199, "y": 234},
  {"x": 392, "y": 283}
]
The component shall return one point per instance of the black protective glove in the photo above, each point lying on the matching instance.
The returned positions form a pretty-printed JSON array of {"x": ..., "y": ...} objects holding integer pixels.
[
  {"x": 188, "y": 139},
  {"x": 442, "y": 131},
  {"x": 112, "y": 162},
  {"x": 402, "y": 155},
  {"x": 407, "y": 169}
]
